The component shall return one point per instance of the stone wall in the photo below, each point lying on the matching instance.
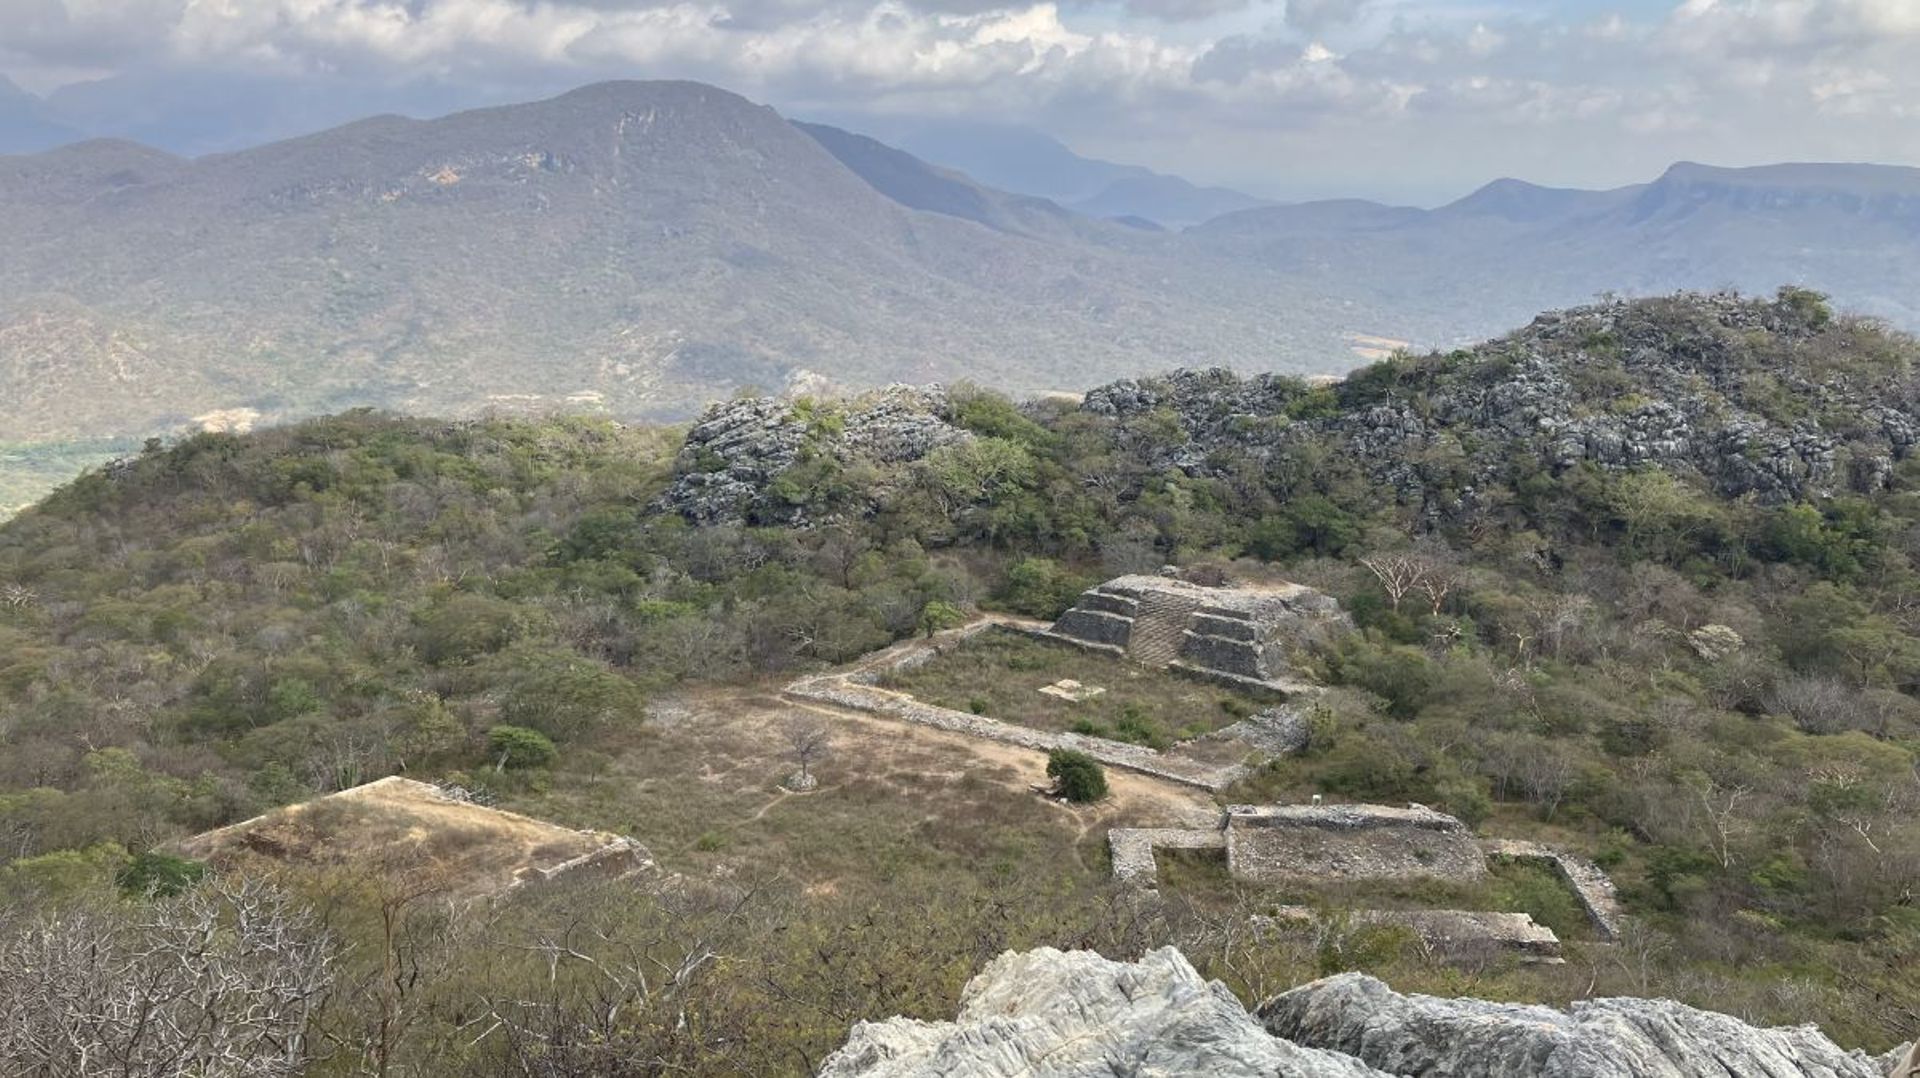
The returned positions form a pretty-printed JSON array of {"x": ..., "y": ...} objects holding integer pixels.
[
  {"x": 1132, "y": 848},
  {"x": 1305, "y": 844},
  {"x": 1588, "y": 882},
  {"x": 1459, "y": 936},
  {"x": 848, "y": 691}
]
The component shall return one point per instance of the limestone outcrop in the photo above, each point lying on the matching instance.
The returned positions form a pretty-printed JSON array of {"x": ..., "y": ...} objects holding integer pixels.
[
  {"x": 1049, "y": 1014},
  {"x": 729, "y": 470},
  {"x": 1672, "y": 383},
  {"x": 1359, "y": 1016}
]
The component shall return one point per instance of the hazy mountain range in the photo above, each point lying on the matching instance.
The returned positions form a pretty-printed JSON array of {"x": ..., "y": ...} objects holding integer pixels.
[
  {"x": 1031, "y": 162},
  {"x": 640, "y": 248}
]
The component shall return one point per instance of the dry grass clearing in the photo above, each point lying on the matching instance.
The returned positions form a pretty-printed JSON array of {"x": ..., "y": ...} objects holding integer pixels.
[
  {"x": 1000, "y": 674},
  {"x": 701, "y": 787}
]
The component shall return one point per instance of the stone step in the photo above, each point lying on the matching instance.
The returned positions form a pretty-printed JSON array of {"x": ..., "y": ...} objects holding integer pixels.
[{"x": 1160, "y": 628}]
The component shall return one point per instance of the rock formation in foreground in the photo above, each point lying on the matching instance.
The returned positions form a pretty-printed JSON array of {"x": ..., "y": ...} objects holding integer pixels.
[
  {"x": 1078, "y": 1015},
  {"x": 1597, "y": 1038},
  {"x": 1049, "y": 1014}
]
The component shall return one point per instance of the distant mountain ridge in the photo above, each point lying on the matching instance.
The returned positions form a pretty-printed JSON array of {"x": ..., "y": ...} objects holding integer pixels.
[
  {"x": 640, "y": 249},
  {"x": 1513, "y": 247},
  {"x": 1020, "y": 159}
]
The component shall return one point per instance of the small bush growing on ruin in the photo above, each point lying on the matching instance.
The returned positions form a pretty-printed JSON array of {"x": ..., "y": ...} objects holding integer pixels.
[
  {"x": 1076, "y": 776},
  {"x": 517, "y": 746}
]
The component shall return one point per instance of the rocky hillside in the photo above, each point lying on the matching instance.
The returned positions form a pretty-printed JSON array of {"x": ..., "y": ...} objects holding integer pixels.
[
  {"x": 1775, "y": 400},
  {"x": 1778, "y": 400},
  {"x": 1048, "y": 1013}
]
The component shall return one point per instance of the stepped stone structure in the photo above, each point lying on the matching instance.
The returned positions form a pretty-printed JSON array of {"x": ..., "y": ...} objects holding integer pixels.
[
  {"x": 1305, "y": 844},
  {"x": 1240, "y": 634}
]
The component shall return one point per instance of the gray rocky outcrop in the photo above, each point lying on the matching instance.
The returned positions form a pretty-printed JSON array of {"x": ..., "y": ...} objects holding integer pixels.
[
  {"x": 1053, "y": 1014},
  {"x": 1049, "y": 1014},
  {"x": 1745, "y": 394},
  {"x": 1602, "y": 1038},
  {"x": 727, "y": 472}
]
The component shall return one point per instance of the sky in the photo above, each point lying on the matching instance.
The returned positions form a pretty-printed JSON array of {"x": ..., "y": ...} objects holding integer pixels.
[{"x": 1407, "y": 100}]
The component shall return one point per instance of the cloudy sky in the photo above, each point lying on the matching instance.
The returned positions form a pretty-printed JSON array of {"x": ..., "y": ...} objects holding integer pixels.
[{"x": 1418, "y": 100}]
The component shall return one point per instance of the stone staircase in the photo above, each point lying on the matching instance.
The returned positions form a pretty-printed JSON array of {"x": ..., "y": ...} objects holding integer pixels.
[{"x": 1160, "y": 627}]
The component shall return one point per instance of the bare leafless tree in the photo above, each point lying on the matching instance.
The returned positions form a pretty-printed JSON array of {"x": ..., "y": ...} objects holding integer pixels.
[
  {"x": 220, "y": 982},
  {"x": 809, "y": 741},
  {"x": 1398, "y": 573}
]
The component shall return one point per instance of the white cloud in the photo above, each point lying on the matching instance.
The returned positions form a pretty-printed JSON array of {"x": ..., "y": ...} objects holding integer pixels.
[{"x": 1231, "y": 83}]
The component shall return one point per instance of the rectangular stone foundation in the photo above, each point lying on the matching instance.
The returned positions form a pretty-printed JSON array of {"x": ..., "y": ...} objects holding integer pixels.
[{"x": 1313, "y": 844}]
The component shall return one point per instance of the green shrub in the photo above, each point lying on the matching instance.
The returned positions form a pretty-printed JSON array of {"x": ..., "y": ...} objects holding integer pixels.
[
  {"x": 159, "y": 875},
  {"x": 517, "y": 746},
  {"x": 1077, "y": 776}
]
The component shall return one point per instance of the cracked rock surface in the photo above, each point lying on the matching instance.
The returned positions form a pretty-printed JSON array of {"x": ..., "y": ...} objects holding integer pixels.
[{"x": 1053, "y": 1014}]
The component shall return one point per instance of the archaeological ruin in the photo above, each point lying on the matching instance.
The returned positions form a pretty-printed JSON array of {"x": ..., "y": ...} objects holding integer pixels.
[
  {"x": 1306, "y": 844},
  {"x": 399, "y": 828},
  {"x": 1244, "y": 635}
]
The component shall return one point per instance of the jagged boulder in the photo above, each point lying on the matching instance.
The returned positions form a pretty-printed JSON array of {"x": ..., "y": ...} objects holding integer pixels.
[
  {"x": 1053, "y": 1014},
  {"x": 1602, "y": 1038},
  {"x": 729, "y": 470},
  {"x": 1049, "y": 1014}
]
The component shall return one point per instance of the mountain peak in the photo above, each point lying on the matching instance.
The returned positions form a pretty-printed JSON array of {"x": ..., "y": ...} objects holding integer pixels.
[{"x": 1517, "y": 200}]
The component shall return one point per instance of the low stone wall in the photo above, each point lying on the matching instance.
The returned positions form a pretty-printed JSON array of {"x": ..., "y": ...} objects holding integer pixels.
[
  {"x": 620, "y": 859},
  {"x": 839, "y": 690},
  {"x": 1452, "y": 935},
  {"x": 1295, "y": 844},
  {"x": 1589, "y": 883},
  {"x": 1132, "y": 849}
]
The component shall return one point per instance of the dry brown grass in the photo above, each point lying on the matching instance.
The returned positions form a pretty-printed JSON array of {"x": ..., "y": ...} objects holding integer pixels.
[{"x": 703, "y": 792}]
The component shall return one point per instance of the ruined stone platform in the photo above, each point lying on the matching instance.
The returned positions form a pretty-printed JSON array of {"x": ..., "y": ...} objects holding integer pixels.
[
  {"x": 1290, "y": 844},
  {"x": 1308, "y": 845},
  {"x": 400, "y": 828},
  {"x": 1244, "y": 636}
]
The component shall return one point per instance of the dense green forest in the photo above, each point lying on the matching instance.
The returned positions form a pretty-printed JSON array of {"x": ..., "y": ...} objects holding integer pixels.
[{"x": 1713, "y": 693}]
